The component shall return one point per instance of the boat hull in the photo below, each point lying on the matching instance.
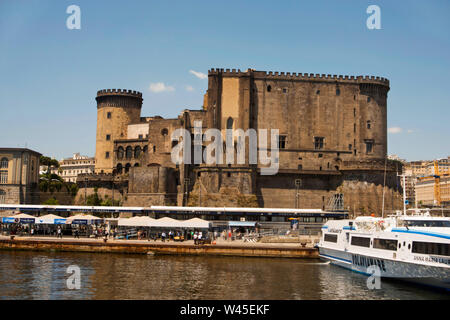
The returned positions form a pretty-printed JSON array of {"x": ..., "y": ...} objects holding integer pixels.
[{"x": 432, "y": 276}]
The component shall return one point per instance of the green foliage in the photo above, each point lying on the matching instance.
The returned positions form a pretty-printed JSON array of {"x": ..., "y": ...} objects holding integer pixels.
[
  {"x": 51, "y": 201},
  {"x": 49, "y": 162},
  {"x": 96, "y": 200},
  {"x": 93, "y": 200},
  {"x": 72, "y": 189}
]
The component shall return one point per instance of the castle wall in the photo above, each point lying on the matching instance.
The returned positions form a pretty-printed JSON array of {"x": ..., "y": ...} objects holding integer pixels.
[
  {"x": 116, "y": 109},
  {"x": 333, "y": 136}
]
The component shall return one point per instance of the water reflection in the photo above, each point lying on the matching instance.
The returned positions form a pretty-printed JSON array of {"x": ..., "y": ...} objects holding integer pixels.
[{"x": 35, "y": 275}]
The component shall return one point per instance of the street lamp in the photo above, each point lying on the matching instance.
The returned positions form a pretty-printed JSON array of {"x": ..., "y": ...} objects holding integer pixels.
[
  {"x": 298, "y": 184},
  {"x": 186, "y": 184}
]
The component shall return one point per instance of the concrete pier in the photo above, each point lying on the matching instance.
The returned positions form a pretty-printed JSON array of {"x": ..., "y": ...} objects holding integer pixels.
[{"x": 239, "y": 249}]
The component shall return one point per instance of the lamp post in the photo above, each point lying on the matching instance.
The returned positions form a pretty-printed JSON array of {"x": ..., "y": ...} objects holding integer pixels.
[
  {"x": 298, "y": 184},
  {"x": 186, "y": 184},
  {"x": 85, "y": 190}
]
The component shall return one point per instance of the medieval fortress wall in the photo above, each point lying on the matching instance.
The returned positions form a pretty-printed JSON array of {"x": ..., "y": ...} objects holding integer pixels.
[{"x": 332, "y": 136}]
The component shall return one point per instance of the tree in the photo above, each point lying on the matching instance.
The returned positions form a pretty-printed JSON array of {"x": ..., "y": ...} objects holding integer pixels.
[{"x": 49, "y": 162}]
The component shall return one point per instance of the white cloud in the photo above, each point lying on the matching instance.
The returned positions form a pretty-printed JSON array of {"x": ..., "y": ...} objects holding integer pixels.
[
  {"x": 160, "y": 87},
  {"x": 199, "y": 74},
  {"x": 410, "y": 131},
  {"x": 189, "y": 88},
  {"x": 395, "y": 130}
]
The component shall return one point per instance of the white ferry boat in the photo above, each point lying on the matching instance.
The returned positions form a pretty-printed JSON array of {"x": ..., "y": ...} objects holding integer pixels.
[{"x": 414, "y": 248}]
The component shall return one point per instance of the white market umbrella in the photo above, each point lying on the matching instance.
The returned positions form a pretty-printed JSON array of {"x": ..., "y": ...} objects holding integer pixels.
[
  {"x": 167, "y": 222},
  {"x": 196, "y": 223},
  {"x": 136, "y": 222}
]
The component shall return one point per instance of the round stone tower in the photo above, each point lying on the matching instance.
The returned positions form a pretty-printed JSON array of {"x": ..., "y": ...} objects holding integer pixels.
[{"x": 116, "y": 109}]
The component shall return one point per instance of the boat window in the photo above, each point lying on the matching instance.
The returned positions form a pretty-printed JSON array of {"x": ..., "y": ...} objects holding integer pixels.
[
  {"x": 360, "y": 241},
  {"x": 385, "y": 244},
  {"x": 330, "y": 237},
  {"x": 439, "y": 249},
  {"x": 428, "y": 223}
]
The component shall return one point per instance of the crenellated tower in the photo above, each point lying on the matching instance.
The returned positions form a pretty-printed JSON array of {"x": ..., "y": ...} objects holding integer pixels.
[{"x": 116, "y": 109}]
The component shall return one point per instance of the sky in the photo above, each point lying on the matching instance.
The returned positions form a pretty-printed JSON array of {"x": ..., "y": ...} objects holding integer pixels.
[{"x": 49, "y": 74}]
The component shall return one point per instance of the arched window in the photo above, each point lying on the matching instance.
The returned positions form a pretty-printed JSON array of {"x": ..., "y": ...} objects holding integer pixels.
[
  {"x": 4, "y": 163},
  {"x": 137, "y": 152},
  {"x": 269, "y": 88},
  {"x": 129, "y": 152},
  {"x": 2, "y": 196},
  {"x": 230, "y": 123},
  {"x": 136, "y": 164},
  {"x": 119, "y": 168},
  {"x": 120, "y": 153},
  {"x": 127, "y": 167},
  {"x": 164, "y": 132}
]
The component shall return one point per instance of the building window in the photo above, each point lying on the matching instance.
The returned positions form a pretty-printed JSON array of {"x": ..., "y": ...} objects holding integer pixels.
[
  {"x": 164, "y": 132},
  {"x": 368, "y": 124},
  {"x": 368, "y": 99},
  {"x": 318, "y": 143},
  {"x": 141, "y": 136},
  {"x": 107, "y": 155},
  {"x": 284, "y": 90},
  {"x": 108, "y": 137},
  {"x": 108, "y": 115},
  {"x": 230, "y": 123},
  {"x": 137, "y": 151},
  {"x": 350, "y": 147},
  {"x": 4, "y": 163},
  {"x": 338, "y": 92},
  {"x": 269, "y": 88},
  {"x": 3, "y": 177},
  {"x": 127, "y": 167},
  {"x": 119, "y": 168},
  {"x": 2, "y": 196},
  {"x": 369, "y": 146},
  {"x": 281, "y": 142},
  {"x": 300, "y": 167},
  {"x": 129, "y": 152},
  {"x": 318, "y": 92},
  {"x": 120, "y": 153}
]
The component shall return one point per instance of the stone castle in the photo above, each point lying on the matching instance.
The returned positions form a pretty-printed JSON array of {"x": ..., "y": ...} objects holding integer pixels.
[{"x": 332, "y": 140}]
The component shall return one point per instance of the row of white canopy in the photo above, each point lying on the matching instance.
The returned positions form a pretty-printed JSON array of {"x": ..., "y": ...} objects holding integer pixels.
[
  {"x": 165, "y": 222},
  {"x": 143, "y": 221}
]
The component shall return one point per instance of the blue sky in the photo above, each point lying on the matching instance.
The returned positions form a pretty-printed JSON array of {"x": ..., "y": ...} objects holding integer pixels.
[{"x": 49, "y": 75}]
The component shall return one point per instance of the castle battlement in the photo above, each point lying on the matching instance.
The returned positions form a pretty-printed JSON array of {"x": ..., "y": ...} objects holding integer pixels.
[
  {"x": 270, "y": 75},
  {"x": 119, "y": 92}
]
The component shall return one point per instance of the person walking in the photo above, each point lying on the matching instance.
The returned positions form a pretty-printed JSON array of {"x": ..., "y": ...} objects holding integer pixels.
[
  {"x": 199, "y": 238},
  {"x": 77, "y": 234},
  {"x": 195, "y": 237},
  {"x": 163, "y": 237},
  {"x": 59, "y": 233}
]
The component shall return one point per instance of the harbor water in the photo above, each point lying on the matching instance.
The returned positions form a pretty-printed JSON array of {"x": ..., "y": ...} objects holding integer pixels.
[{"x": 43, "y": 275}]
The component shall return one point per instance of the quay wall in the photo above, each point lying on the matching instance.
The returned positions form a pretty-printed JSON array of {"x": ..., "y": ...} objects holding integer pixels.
[{"x": 152, "y": 248}]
